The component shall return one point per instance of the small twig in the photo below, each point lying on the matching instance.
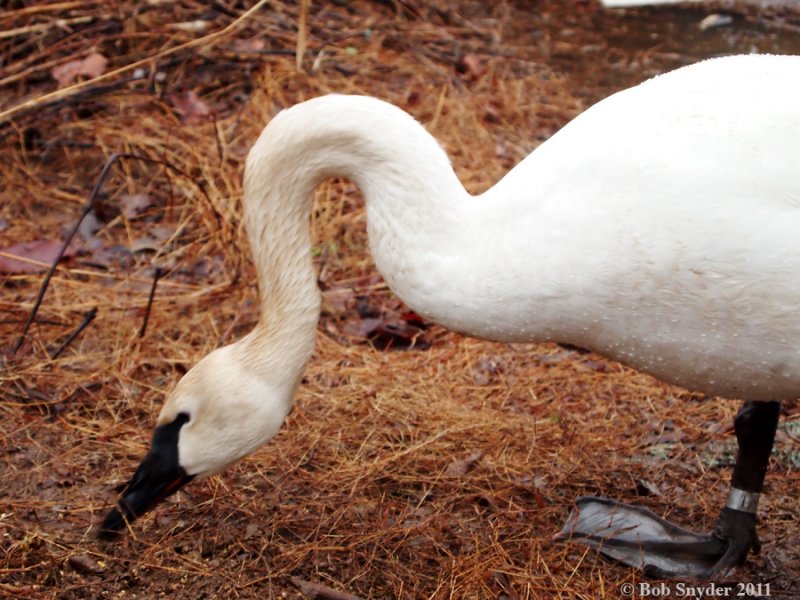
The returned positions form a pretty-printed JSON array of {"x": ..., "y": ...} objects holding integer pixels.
[
  {"x": 302, "y": 34},
  {"x": 39, "y": 321},
  {"x": 317, "y": 591},
  {"x": 88, "y": 317},
  {"x": 85, "y": 211},
  {"x": 156, "y": 277},
  {"x": 41, "y": 27},
  {"x": 218, "y": 138},
  {"x": 57, "y": 6}
]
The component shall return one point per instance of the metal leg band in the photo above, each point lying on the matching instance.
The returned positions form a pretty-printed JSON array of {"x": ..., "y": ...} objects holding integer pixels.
[{"x": 742, "y": 501}]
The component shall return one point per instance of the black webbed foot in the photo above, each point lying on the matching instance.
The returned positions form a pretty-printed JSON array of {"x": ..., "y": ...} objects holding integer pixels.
[{"x": 639, "y": 538}]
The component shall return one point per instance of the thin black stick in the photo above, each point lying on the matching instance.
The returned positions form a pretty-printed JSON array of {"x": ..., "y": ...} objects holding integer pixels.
[
  {"x": 88, "y": 317},
  {"x": 85, "y": 211},
  {"x": 156, "y": 277}
]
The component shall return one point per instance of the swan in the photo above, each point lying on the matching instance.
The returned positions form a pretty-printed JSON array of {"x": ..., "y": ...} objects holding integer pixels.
[{"x": 658, "y": 228}]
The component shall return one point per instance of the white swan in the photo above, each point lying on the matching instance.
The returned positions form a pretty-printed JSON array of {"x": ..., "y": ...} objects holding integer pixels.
[{"x": 660, "y": 228}]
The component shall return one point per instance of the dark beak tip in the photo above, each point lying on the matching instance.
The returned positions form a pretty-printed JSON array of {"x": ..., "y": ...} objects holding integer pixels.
[
  {"x": 107, "y": 535},
  {"x": 110, "y": 528}
]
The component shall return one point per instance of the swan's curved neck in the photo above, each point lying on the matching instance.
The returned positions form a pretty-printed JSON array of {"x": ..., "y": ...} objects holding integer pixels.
[{"x": 412, "y": 197}]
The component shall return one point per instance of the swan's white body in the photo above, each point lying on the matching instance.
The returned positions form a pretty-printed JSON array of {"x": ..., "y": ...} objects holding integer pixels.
[{"x": 660, "y": 228}]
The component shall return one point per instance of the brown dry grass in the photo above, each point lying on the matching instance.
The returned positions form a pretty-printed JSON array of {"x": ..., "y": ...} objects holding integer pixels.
[{"x": 432, "y": 473}]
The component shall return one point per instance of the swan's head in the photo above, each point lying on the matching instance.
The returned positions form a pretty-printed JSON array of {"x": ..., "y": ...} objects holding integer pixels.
[{"x": 220, "y": 411}]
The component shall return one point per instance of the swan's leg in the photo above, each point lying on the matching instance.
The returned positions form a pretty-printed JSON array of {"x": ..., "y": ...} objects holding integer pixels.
[
  {"x": 755, "y": 427},
  {"x": 637, "y": 537}
]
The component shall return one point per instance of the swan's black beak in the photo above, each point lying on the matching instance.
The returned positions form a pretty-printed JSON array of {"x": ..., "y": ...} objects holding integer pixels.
[{"x": 159, "y": 475}]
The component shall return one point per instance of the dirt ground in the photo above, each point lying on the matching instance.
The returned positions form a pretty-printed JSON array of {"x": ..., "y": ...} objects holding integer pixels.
[{"x": 417, "y": 463}]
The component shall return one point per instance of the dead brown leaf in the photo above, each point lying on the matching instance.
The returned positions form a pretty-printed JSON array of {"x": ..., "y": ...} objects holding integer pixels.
[
  {"x": 321, "y": 592},
  {"x": 251, "y": 531},
  {"x": 132, "y": 205},
  {"x": 471, "y": 65},
  {"x": 463, "y": 466},
  {"x": 645, "y": 487},
  {"x": 154, "y": 239},
  {"x": 193, "y": 109},
  {"x": 30, "y": 257},
  {"x": 83, "y": 563},
  {"x": 255, "y": 44},
  {"x": 92, "y": 66}
]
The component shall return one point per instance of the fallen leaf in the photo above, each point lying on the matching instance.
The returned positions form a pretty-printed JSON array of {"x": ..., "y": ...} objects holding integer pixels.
[
  {"x": 83, "y": 563},
  {"x": 164, "y": 520},
  {"x": 204, "y": 266},
  {"x": 92, "y": 66},
  {"x": 321, "y": 592},
  {"x": 154, "y": 240},
  {"x": 389, "y": 330},
  {"x": 362, "y": 327},
  {"x": 596, "y": 365},
  {"x": 118, "y": 256},
  {"x": 485, "y": 370},
  {"x": 471, "y": 65},
  {"x": 338, "y": 299},
  {"x": 32, "y": 257},
  {"x": 665, "y": 437},
  {"x": 663, "y": 432},
  {"x": 192, "y": 108},
  {"x": 88, "y": 227},
  {"x": 463, "y": 466},
  {"x": 645, "y": 487},
  {"x": 503, "y": 582},
  {"x": 251, "y": 531},
  {"x": 254, "y": 44},
  {"x": 481, "y": 378},
  {"x": 132, "y": 205},
  {"x": 490, "y": 115}
]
